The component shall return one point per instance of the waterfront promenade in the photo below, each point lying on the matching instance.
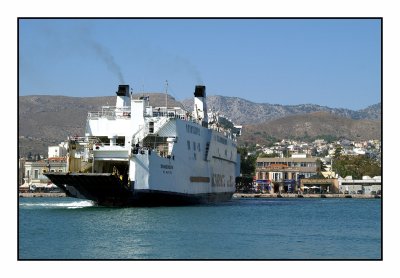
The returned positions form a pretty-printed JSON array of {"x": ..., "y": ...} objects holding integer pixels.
[
  {"x": 42, "y": 194},
  {"x": 293, "y": 195},
  {"x": 238, "y": 195}
]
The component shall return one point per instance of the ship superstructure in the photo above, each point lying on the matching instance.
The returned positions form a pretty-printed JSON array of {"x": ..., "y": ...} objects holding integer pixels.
[{"x": 137, "y": 154}]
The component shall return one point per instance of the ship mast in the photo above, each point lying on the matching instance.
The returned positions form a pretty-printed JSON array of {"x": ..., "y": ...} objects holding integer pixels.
[{"x": 166, "y": 94}]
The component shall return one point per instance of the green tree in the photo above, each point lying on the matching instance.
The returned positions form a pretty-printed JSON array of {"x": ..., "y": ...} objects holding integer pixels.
[
  {"x": 323, "y": 153},
  {"x": 357, "y": 166},
  {"x": 338, "y": 152},
  {"x": 269, "y": 155},
  {"x": 247, "y": 162}
]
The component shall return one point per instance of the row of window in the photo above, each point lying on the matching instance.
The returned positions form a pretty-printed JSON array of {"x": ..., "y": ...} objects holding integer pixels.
[
  {"x": 36, "y": 172},
  {"x": 192, "y": 129},
  {"x": 289, "y": 164},
  {"x": 279, "y": 175},
  {"x": 195, "y": 146},
  {"x": 220, "y": 139}
]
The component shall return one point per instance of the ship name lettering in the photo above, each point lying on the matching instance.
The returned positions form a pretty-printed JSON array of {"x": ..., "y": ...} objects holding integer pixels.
[
  {"x": 218, "y": 180},
  {"x": 222, "y": 140},
  {"x": 166, "y": 166},
  {"x": 192, "y": 129}
]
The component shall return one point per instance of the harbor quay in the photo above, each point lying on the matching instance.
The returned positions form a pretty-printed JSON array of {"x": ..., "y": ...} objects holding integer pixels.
[
  {"x": 235, "y": 195},
  {"x": 41, "y": 194},
  {"x": 294, "y": 195}
]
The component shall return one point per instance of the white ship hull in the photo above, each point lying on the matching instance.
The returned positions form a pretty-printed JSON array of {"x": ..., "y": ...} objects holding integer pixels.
[{"x": 152, "y": 158}]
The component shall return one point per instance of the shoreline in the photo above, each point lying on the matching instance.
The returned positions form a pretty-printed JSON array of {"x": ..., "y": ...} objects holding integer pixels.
[
  {"x": 41, "y": 194},
  {"x": 235, "y": 195},
  {"x": 294, "y": 195}
]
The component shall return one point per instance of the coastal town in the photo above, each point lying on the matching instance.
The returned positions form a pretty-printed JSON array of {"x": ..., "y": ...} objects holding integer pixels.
[
  {"x": 208, "y": 139},
  {"x": 302, "y": 168},
  {"x": 285, "y": 168}
]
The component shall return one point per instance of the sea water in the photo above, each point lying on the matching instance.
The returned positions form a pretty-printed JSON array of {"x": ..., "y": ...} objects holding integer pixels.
[{"x": 241, "y": 229}]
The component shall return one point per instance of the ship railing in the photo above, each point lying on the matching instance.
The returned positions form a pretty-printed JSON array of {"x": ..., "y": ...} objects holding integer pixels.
[
  {"x": 145, "y": 130},
  {"x": 175, "y": 112},
  {"x": 160, "y": 150},
  {"x": 110, "y": 147},
  {"x": 83, "y": 139},
  {"x": 111, "y": 112}
]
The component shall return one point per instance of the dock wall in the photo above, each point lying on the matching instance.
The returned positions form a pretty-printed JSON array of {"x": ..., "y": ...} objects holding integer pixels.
[
  {"x": 238, "y": 195},
  {"x": 41, "y": 194},
  {"x": 291, "y": 195}
]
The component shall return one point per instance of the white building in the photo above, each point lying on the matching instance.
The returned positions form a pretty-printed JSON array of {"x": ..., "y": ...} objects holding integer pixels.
[
  {"x": 299, "y": 155},
  {"x": 366, "y": 185},
  {"x": 33, "y": 172},
  {"x": 359, "y": 151},
  {"x": 58, "y": 151}
]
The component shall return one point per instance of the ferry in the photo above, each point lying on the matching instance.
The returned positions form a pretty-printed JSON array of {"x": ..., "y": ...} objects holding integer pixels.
[{"x": 134, "y": 154}]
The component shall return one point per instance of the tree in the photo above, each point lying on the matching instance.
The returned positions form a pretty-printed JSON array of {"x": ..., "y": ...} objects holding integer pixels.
[
  {"x": 269, "y": 155},
  {"x": 357, "y": 166},
  {"x": 338, "y": 152},
  {"x": 247, "y": 162},
  {"x": 323, "y": 153},
  {"x": 314, "y": 151}
]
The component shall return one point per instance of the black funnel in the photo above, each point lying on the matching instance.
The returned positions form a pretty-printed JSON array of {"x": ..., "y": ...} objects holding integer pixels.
[
  {"x": 200, "y": 91},
  {"x": 123, "y": 91}
]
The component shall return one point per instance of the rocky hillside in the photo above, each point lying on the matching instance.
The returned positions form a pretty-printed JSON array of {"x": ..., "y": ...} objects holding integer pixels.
[
  {"x": 310, "y": 127},
  {"x": 47, "y": 120},
  {"x": 243, "y": 112}
]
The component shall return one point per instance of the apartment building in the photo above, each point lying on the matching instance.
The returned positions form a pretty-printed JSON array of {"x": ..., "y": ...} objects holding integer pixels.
[
  {"x": 282, "y": 174},
  {"x": 35, "y": 170}
]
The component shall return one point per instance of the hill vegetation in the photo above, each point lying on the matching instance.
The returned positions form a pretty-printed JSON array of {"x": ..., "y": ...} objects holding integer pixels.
[
  {"x": 245, "y": 112},
  {"x": 47, "y": 120},
  {"x": 311, "y": 126}
]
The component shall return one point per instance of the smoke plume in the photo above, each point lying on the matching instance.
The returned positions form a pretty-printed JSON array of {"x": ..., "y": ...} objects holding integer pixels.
[
  {"x": 84, "y": 35},
  {"x": 184, "y": 65},
  {"x": 108, "y": 59}
]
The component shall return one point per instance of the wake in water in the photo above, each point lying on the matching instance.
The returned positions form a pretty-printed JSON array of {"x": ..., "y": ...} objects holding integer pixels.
[{"x": 68, "y": 205}]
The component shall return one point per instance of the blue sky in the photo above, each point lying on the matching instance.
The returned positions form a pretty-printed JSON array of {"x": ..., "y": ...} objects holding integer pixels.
[{"x": 330, "y": 62}]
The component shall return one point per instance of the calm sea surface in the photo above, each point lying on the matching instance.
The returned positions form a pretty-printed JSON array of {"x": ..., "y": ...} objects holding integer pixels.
[{"x": 66, "y": 228}]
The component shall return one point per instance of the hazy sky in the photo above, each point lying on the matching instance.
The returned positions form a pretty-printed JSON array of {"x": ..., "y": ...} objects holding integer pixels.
[{"x": 330, "y": 62}]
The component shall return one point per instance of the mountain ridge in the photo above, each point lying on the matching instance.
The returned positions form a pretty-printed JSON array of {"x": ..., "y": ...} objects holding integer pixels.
[
  {"x": 308, "y": 127},
  {"x": 45, "y": 120},
  {"x": 250, "y": 112}
]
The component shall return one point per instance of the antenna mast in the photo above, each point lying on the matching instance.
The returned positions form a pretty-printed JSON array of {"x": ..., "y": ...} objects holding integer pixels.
[{"x": 166, "y": 94}]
